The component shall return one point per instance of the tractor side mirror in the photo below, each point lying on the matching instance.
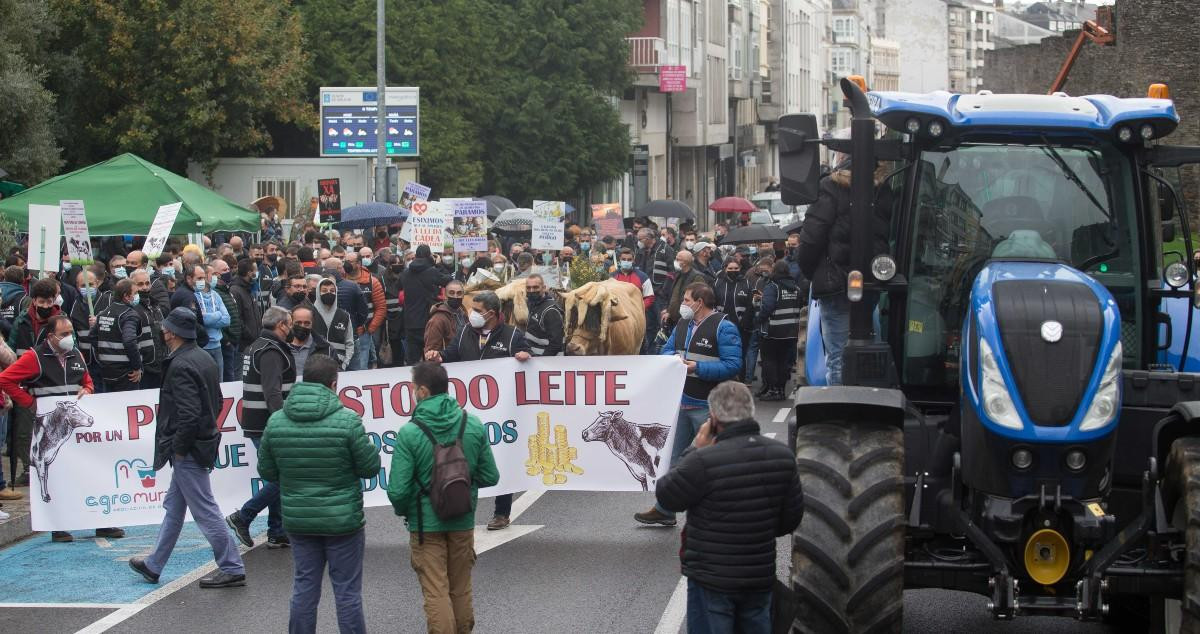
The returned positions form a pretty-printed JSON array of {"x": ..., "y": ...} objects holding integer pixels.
[
  {"x": 1168, "y": 232},
  {"x": 799, "y": 159},
  {"x": 1166, "y": 203}
]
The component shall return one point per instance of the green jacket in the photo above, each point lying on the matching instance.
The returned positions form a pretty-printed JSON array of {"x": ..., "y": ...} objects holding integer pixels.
[
  {"x": 316, "y": 449},
  {"x": 442, "y": 415},
  {"x": 232, "y": 332}
]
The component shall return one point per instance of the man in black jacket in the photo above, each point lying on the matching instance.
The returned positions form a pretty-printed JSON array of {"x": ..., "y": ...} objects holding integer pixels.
[
  {"x": 741, "y": 491},
  {"x": 185, "y": 293},
  {"x": 242, "y": 290},
  {"x": 422, "y": 283},
  {"x": 486, "y": 336},
  {"x": 824, "y": 256},
  {"x": 186, "y": 435}
]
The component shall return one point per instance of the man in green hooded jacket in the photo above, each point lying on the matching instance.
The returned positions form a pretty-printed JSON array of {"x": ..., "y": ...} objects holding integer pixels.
[
  {"x": 316, "y": 450},
  {"x": 443, "y": 551}
]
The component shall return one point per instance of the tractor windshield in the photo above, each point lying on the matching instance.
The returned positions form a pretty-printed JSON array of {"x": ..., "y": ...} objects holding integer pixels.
[{"x": 978, "y": 202}]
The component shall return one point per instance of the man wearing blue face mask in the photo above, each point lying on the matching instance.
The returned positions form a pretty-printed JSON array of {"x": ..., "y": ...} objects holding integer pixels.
[
  {"x": 162, "y": 282},
  {"x": 214, "y": 314},
  {"x": 115, "y": 340}
]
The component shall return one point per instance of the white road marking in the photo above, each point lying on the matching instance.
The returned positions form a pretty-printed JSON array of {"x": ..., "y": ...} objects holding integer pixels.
[
  {"x": 770, "y": 434},
  {"x": 103, "y": 543},
  {"x": 522, "y": 504},
  {"x": 486, "y": 540},
  {"x": 782, "y": 415},
  {"x": 672, "y": 617},
  {"x": 82, "y": 606}
]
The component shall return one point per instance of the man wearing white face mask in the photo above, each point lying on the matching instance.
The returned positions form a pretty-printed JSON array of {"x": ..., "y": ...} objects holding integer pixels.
[
  {"x": 53, "y": 367},
  {"x": 486, "y": 336},
  {"x": 685, "y": 275}
]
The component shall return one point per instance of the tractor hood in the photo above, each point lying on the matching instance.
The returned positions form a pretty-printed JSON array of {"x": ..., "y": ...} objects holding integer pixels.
[{"x": 1042, "y": 359}]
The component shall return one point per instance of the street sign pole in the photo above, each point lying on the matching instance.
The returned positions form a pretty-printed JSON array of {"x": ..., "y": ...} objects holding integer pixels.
[{"x": 381, "y": 113}]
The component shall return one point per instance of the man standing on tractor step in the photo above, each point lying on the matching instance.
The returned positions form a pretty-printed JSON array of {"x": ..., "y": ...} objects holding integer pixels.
[{"x": 711, "y": 348}]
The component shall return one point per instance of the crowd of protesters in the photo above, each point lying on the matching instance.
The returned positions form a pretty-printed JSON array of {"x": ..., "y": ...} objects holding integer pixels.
[{"x": 285, "y": 314}]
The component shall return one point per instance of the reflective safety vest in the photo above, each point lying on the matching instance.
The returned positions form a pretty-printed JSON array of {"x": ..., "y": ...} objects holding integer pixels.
[
  {"x": 110, "y": 345},
  {"x": 150, "y": 341},
  {"x": 536, "y": 334},
  {"x": 334, "y": 332},
  {"x": 784, "y": 323},
  {"x": 56, "y": 378},
  {"x": 254, "y": 403},
  {"x": 9, "y": 309},
  {"x": 701, "y": 347}
]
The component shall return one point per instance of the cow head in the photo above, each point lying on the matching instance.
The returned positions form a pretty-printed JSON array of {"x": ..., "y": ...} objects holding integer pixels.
[
  {"x": 76, "y": 416},
  {"x": 602, "y": 427}
]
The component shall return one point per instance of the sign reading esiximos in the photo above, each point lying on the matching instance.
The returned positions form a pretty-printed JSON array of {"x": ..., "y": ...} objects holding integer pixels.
[
  {"x": 349, "y": 121},
  {"x": 577, "y": 423}
]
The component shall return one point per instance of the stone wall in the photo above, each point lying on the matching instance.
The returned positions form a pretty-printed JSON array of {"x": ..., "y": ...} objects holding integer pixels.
[{"x": 1158, "y": 41}]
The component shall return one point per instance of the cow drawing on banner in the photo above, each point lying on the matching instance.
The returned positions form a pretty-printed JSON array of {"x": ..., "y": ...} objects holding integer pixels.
[
  {"x": 638, "y": 446},
  {"x": 50, "y": 433}
]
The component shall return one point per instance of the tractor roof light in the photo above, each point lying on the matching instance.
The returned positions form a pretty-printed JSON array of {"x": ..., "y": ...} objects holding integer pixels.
[
  {"x": 913, "y": 125},
  {"x": 1176, "y": 275},
  {"x": 883, "y": 267},
  {"x": 1106, "y": 403},
  {"x": 854, "y": 286},
  {"x": 1147, "y": 131},
  {"x": 860, "y": 81},
  {"x": 936, "y": 128},
  {"x": 1158, "y": 91},
  {"x": 1124, "y": 134},
  {"x": 995, "y": 399}
]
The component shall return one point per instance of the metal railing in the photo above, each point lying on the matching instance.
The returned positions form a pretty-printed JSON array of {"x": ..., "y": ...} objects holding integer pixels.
[{"x": 646, "y": 52}]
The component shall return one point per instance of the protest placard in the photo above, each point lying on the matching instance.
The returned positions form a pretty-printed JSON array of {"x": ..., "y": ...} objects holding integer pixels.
[
  {"x": 79, "y": 244},
  {"x": 45, "y": 226},
  {"x": 413, "y": 193},
  {"x": 549, "y": 209},
  {"x": 156, "y": 240},
  {"x": 547, "y": 235},
  {"x": 470, "y": 225},
  {"x": 608, "y": 221},
  {"x": 329, "y": 202},
  {"x": 427, "y": 221}
]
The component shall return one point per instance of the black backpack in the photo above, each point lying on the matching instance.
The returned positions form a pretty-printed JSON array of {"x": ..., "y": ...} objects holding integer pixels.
[{"x": 449, "y": 487}]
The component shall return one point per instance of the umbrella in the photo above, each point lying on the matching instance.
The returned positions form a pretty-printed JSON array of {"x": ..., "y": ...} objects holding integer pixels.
[
  {"x": 570, "y": 208},
  {"x": 122, "y": 195},
  {"x": 367, "y": 215},
  {"x": 732, "y": 205},
  {"x": 754, "y": 234},
  {"x": 794, "y": 227},
  {"x": 668, "y": 209},
  {"x": 266, "y": 202},
  {"x": 498, "y": 204},
  {"x": 515, "y": 220}
]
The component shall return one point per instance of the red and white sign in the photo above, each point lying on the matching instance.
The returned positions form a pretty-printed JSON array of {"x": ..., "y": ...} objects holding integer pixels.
[{"x": 672, "y": 78}]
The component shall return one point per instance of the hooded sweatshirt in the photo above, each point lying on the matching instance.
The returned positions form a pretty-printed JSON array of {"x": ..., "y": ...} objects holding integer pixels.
[
  {"x": 414, "y": 453},
  {"x": 316, "y": 450},
  {"x": 326, "y": 315}
]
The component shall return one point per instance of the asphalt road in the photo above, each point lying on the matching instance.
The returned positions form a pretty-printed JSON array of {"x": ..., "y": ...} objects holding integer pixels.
[{"x": 573, "y": 562}]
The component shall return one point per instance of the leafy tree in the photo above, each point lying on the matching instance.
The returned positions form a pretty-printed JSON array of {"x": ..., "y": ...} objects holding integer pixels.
[
  {"x": 27, "y": 147},
  {"x": 180, "y": 80}
]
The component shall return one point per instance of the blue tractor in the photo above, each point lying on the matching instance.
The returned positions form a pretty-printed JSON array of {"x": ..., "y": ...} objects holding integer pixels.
[{"x": 1006, "y": 423}]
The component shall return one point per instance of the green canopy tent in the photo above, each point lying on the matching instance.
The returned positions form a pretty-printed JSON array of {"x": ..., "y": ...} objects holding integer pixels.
[{"x": 122, "y": 195}]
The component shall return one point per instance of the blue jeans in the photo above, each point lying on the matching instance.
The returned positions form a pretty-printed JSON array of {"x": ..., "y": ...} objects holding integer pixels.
[
  {"x": 686, "y": 426},
  {"x": 266, "y": 498},
  {"x": 751, "y": 360},
  {"x": 344, "y": 555},
  {"x": 363, "y": 345},
  {"x": 835, "y": 330},
  {"x": 191, "y": 490},
  {"x": 230, "y": 368},
  {"x": 651, "y": 329},
  {"x": 218, "y": 358},
  {"x": 713, "y": 612}
]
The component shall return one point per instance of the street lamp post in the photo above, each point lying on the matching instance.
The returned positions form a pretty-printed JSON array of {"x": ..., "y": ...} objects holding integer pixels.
[{"x": 381, "y": 112}]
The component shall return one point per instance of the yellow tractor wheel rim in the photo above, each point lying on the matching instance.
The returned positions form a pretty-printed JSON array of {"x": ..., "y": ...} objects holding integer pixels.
[{"x": 1047, "y": 556}]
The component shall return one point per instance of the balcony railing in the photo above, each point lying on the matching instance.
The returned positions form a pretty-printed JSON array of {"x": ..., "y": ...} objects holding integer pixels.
[{"x": 647, "y": 52}]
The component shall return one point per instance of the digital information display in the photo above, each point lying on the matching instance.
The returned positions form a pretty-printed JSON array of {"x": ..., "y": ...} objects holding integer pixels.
[{"x": 349, "y": 120}]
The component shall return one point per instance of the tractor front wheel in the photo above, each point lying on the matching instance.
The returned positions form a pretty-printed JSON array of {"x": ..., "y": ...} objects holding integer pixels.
[
  {"x": 1181, "y": 493},
  {"x": 848, "y": 553}
]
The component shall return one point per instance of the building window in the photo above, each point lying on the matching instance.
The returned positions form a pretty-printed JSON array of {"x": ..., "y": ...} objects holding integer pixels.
[
  {"x": 285, "y": 188},
  {"x": 685, "y": 36},
  {"x": 673, "y": 32}
]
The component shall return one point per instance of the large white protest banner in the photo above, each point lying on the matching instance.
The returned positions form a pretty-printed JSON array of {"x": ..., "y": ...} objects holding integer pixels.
[{"x": 572, "y": 423}]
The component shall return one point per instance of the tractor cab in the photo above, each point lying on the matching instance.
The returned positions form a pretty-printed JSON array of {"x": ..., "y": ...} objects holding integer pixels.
[{"x": 1005, "y": 353}]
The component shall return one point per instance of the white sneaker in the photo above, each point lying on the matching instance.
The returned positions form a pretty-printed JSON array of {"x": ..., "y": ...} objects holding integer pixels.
[{"x": 4, "y": 517}]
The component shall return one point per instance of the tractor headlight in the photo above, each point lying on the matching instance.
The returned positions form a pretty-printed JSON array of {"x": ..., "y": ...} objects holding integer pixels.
[
  {"x": 883, "y": 267},
  {"x": 1176, "y": 275},
  {"x": 1103, "y": 409},
  {"x": 997, "y": 402}
]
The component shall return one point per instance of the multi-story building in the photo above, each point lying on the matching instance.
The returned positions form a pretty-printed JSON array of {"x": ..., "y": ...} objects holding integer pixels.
[
  {"x": 885, "y": 66},
  {"x": 1010, "y": 30},
  {"x": 853, "y": 25},
  {"x": 921, "y": 29},
  {"x": 1060, "y": 15},
  {"x": 981, "y": 24},
  {"x": 796, "y": 78}
]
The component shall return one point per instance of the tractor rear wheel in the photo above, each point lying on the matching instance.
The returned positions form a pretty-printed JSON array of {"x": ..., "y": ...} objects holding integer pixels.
[
  {"x": 848, "y": 553},
  {"x": 1181, "y": 493}
]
